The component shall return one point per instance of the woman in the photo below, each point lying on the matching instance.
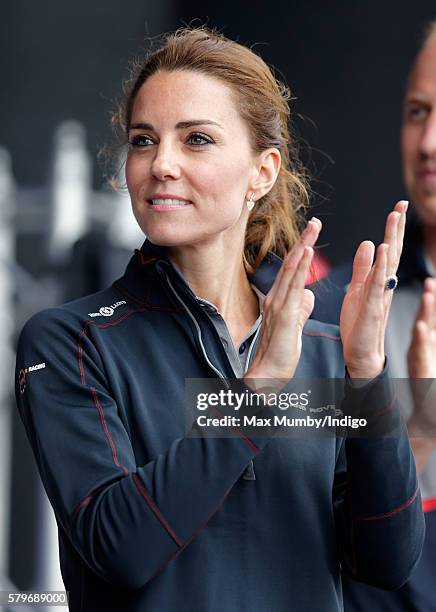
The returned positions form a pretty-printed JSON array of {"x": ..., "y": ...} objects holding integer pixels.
[{"x": 150, "y": 518}]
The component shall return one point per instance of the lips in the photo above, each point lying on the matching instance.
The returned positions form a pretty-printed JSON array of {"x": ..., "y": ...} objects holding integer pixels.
[
  {"x": 169, "y": 202},
  {"x": 427, "y": 177}
]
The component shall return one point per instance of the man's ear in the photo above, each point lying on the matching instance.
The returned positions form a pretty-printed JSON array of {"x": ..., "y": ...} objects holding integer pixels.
[{"x": 268, "y": 168}]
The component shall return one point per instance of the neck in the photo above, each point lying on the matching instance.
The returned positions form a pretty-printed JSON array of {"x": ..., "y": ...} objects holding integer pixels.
[
  {"x": 215, "y": 272},
  {"x": 429, "y": 234}
]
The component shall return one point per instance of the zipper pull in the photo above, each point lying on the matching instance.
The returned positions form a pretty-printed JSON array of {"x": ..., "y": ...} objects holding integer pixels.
[{"x": 249, "y": 472}]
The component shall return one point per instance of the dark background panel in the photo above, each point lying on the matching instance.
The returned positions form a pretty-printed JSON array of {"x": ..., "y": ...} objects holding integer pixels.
[
  {"x": 66, "y": 60},
  {"x": 345, "y": 62}
]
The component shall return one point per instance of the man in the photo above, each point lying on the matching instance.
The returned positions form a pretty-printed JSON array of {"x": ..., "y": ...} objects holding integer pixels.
[{"x": 411, "y": 332}]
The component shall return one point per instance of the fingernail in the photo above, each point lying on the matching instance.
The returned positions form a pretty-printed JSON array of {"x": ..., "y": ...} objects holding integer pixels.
[
  {"x": 316, "y": 220},
  {"x": 406, "y": 202}
]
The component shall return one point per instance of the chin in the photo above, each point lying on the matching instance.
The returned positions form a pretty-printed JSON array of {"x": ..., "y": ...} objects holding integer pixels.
[
  {"x": 426, "y": 208},
  {"x": 169, "y": 237}
]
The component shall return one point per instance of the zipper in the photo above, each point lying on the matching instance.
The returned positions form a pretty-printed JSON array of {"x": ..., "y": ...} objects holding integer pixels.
[
  {"x": 197, "y": 327},
  {"x": 253, "y": 344},
  {"x": 249, "y": 473}
]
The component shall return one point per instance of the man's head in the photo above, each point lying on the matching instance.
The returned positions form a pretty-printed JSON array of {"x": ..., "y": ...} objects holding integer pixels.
[{"x": 419, "y": 131}]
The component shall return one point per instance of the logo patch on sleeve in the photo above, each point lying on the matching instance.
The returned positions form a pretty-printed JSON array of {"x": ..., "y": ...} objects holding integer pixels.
[{"x": 23, "y": 374}]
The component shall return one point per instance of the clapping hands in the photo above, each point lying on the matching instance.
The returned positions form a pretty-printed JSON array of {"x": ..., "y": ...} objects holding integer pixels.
[{"x": 364, "y": 313}]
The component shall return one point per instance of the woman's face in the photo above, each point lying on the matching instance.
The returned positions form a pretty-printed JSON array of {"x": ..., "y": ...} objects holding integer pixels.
[{"x": 190, "y": 165}]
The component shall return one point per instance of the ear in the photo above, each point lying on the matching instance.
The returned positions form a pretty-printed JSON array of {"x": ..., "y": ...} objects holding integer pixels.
[{"x": 267, "y": 170}]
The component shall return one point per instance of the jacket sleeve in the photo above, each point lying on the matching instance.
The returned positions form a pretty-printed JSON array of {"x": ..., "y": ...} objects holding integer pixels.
[
  {"x": 126, "y": 521},
  {"x": 380, "y": 523}
]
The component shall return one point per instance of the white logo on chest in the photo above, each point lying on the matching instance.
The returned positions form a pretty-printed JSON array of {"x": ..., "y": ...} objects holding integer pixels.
[{"x": 106, "y": 311}]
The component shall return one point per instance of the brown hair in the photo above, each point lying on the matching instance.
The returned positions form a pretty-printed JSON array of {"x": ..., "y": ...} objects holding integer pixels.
[{"x": 274, "y": 223}]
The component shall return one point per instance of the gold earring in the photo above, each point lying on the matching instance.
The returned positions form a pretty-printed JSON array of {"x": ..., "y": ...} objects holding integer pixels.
[{"x": 250, "y": 202}]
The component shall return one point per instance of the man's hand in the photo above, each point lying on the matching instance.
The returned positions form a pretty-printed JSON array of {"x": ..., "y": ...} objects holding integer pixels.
[
  {"x": 421, "y": 361},
  {"x": 421, "y": 357}
]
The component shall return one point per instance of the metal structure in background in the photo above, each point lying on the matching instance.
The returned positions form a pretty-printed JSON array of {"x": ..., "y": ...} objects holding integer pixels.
[
  {"x": 70, "y": 189},
  {"x": 56, "y": 243},
  {"x": 6, "y": 356}
]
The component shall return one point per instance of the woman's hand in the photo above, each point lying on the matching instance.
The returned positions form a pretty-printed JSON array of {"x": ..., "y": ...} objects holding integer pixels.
[
  {"x": 366, "y": 304},
  {"x": 286, "y": 309}
]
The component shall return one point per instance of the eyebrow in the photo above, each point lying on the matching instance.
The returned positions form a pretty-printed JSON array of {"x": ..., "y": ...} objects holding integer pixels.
[
  {"x": 179, "y": 126},
  {"x": 415, "y": 97}
]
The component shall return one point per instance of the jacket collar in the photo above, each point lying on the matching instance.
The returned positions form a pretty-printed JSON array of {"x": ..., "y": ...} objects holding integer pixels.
[{"x": 151, "y": 264}]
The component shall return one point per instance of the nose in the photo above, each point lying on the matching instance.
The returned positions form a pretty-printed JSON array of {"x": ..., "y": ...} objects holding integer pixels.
[
  {"x": 428, "y": 140},
  {"x": 165, "y": 164}
]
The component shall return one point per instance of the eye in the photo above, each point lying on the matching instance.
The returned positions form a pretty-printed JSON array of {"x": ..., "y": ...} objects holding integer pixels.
[
  {"x": 198, "y": 140},
  {"x": 416, "y": 114},
  {"x": 140, "y": 141}
]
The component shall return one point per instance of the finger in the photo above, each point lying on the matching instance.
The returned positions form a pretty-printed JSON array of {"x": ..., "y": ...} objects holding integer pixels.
[
  {"x": 430, "y": 287},
  {"x": 419, "y": 340},
  {"x": 401, "y": 207},
  {"x": 390, "y": 238},
  {"x": 430, "y": 284},
  {"x": 426, "y": 308},
  {"x": 421, "y": 330},
  {"x": 376, "y": 286},
  {"x": 427, "y": 305},
  {"x": 296, "y": 287},
  {"x": 308, "y": 237},
  {"x": 362, "y": 262},
  {"x": 306, "y": 305},
  {"x": 291, "y": 262}
]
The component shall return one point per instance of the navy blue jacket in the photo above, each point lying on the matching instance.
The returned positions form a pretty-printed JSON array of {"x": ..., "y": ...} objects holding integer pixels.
[{"x": 151, "y": 520}]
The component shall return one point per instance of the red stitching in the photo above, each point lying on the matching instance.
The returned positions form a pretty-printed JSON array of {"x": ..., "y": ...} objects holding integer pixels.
[
  {"x": 155, "y": 509},
  {"x": 379, "y": 517},
  {"x": 83, "y": 332},
  {"x": 115, "y": 321},
  {"x": 241, "y": 434},
  {"x": 137, "y": 300},
  {"x": 82, "y": 503},
  {"x": 142, "y": 260},
  {"x": 106, "y": 431},
  {"x": 321, "y": 335},
  {"x": 386, "y": 408},
  {"x": 196, "y": 532},
  {"x": 214, "y": 511}
]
